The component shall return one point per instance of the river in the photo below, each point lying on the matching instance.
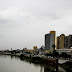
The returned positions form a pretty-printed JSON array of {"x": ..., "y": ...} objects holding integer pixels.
[{"x": 15, "y": 64}]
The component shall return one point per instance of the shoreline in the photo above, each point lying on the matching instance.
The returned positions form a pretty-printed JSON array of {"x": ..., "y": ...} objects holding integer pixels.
[{"x": 35, "y": 60}]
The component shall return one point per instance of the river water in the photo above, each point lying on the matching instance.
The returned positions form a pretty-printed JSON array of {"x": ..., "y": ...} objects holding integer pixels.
[{"x": 14, "y": 64}]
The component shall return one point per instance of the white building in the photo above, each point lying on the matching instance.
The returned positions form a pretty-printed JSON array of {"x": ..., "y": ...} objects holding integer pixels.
[{"x": 68, "y": 51}]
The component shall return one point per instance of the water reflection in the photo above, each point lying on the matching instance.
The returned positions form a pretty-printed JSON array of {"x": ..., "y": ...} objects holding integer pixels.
[
  {"x": 15, "y": 64},
  {"x": 49, "y": 68},
  {"x": 12, "y": 57},
  {"x": 53, "y": 69},
  {"x": 41, "y": 70}
]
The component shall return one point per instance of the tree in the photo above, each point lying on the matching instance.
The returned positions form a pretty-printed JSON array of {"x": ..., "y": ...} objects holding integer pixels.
[{"x": 53, "y": 46}]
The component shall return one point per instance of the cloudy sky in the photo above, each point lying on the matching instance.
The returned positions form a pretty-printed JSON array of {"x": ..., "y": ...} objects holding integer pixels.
[{"x": 23, "y": 23}]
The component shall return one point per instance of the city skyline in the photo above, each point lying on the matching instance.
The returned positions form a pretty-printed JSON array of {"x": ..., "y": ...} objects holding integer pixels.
[
  {"x": 23, "y": 23},
  {"x": 55, "y": 40}
]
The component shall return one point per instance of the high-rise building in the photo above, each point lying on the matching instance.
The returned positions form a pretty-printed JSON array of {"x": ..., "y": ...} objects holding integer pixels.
[
  {"x": 60, "y": 41},
  {"x": 49, "y": 40},
  {"x": 64, "y": 42},
  {"x": 68, "y": 41}
]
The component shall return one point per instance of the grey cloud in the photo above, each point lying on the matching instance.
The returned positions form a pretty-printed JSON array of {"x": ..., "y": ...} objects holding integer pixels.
[
  {"x": 1, "y": 36},
  {"x": 23, "y": 22},
  {"x": 6, "y": 23},
  {"x": 3, "y": 21}
]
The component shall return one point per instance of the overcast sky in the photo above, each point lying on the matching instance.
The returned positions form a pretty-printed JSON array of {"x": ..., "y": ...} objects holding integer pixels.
[{"x": 23, "y": 23}]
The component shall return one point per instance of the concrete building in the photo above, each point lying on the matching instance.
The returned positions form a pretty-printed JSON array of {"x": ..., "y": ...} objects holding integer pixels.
[
  {"x": 49, "y": 40},
  {"x": 68, "y": 41},
  {"x": 64, "y": 42},
  {"x": 35, "y": 48},
  {"x": 68, "y": 51},
  {"x": 60, "y": 41}
]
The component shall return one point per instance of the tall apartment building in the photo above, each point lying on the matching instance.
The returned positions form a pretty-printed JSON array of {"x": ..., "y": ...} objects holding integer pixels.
[
  {"x": 49, "y": 40},
  {"x": 60, "y": 41},
  {"x": 64, "y": 42},
  {"x": 68, "y": 41}
]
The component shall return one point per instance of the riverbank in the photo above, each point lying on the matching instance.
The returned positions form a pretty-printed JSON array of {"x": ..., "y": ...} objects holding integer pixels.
[
  {"x": 38, "y": 60},
  {"x": 34, "y": 59},
  {"x": 41, "y": 60},
  {"x": 15, "y": 64}
]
